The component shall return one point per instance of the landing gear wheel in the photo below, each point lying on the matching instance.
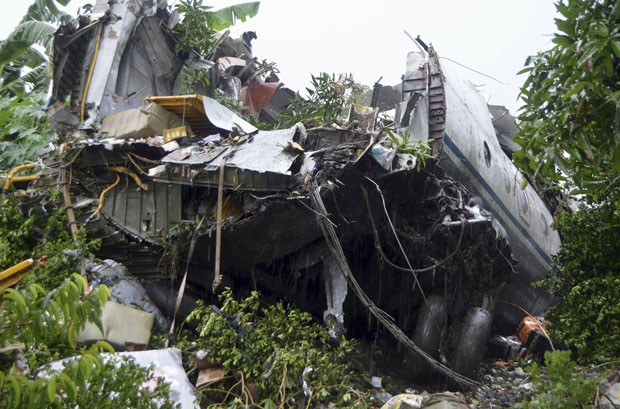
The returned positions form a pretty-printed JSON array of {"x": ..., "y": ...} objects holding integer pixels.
[
  {"x": 427, "y": 335},
  {"x": 471, "y": 344}
]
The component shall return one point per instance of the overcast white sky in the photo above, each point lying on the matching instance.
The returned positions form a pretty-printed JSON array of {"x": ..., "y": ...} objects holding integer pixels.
[{"x": 367, "y": 38}]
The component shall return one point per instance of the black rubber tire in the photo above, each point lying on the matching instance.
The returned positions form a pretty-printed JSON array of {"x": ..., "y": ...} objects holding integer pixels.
[
  {"x": 427, "y": 335},
  {"x": 471, "y": 344}
]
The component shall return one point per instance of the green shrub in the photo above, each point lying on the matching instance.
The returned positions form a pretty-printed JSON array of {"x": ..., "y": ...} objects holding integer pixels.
[
  {"x": 328, "y": 97},
  {"x": 45, "y": 323},
  {"x": 585, "y": 280},
  {"x": 87, "y": 382},
  {"x": 35, "y": 234},
  {"x": 271, "y": 347},
  {"x": 561, "y": 385},
  {"x": 24, "y": 129}
]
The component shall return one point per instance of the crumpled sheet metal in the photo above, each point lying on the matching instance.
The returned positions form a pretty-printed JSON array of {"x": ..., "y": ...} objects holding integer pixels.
[
  {"x": 224, "y": 63},
  {"x": 224, "y": 118},
  {"x": 264, "y": 152},
  {"x": 258, "y": 95},
  {"x": 194, "y": 155},
  {"x": 205, "y": 115}
]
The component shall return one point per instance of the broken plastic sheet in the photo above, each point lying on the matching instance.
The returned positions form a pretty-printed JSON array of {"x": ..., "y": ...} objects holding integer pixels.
[
  {"x": 166, "y": 364},
  {"x": 384, "y": 156}
]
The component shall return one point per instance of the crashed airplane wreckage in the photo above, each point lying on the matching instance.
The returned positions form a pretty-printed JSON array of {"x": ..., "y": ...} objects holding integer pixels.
[{"x": 439, "y": 253}]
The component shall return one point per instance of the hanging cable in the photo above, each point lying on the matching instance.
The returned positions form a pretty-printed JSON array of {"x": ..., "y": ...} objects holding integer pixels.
[{"x": 333, "y": 243}]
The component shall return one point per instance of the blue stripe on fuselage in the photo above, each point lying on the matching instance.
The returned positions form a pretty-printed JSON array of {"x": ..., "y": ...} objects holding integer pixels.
[{"x": 457, "y": 152}]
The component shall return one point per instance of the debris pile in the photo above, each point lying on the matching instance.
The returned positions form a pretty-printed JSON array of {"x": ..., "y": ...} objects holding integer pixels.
[
  {"x": 503, "y": 385},
  {"x": 410, "y": 217}
]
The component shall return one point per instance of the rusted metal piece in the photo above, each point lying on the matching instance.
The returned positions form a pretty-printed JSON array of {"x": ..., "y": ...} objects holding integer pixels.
[
  {"x": 217, "y": 277},
  {"x": 210, "y": 375},
  {"x": 66, "y": 194},
  {"x": 257, "y": 95}
]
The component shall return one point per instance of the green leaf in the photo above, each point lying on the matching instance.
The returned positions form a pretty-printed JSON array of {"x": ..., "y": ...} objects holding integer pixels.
[
  {"x": 576, "y": 88},
  {"x": 615, "y": 46},
  {"x": 51, "y": 389},
  {"x": 226, "y": 17},
  {"x": 562, "y": 40},
  {"x": 565, "y": 26},
  {"x": 69, "y": 386},
  {"x": 71, "y": 334},
  {"x": 102, "y": 346},
  {"x": 600, "y": 28},
  {"x": 23, "y": 36},
  {"x": 17, "y": 391}
]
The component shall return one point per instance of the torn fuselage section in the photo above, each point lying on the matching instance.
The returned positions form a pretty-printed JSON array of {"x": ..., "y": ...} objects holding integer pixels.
[
  {"x": 468, "y": 145},
  {"x": 127, "y": 51},
  {"x": 406, "y": 234}
]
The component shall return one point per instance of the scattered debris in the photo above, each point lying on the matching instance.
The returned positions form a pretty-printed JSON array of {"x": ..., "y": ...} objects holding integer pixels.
[
  {"x": 121, "y": 325},
  {"x": 502, "y": 387},
  {"x": 302, "y": 214},
  {"x": 443, "y": 400}
]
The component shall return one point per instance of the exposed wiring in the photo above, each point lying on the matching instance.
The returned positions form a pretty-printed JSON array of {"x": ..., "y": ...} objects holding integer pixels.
[
  {"x": 477, "y": 72},
  {"x": 406, "y": 269},
  {"x": 102, "y": 197},
  {"x": 143, "y": 159},
  {"x": 136, "y": 165},
  {"x": 410, "y": 269},
  {"x": 131, "y": 173},
  {"x": 333, "y": 243}
]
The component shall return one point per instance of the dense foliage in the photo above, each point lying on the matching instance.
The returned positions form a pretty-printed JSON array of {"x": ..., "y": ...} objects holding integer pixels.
[
  {"x": 24, "y": 129},
  {"x": 23, "y": 82},
  {"x": 328, "y": 97},
  {"x": 41, "y": 326},
  {"x": 198, "y": 30},
  {"x": 40, "y": 234},
  {"x": 570, "y": 139},
  {"x": 276, "y": 348},
  {"x": 89, "y": 381},
  {"x": 585, "y": 280},
  {"x": 23, "y": 54},
  {"x": 571, "y": 117},
  {"x": 560, "y": 384}
]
